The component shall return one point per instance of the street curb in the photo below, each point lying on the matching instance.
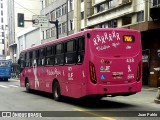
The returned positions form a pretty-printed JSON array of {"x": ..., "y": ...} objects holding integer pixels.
[{"x": 157, "y": 101}]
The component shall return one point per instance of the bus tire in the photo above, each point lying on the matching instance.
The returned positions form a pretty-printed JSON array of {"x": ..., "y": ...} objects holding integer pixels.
[
  {"x": 56, "y": 91},
  {"x": 28, "y": 90}
]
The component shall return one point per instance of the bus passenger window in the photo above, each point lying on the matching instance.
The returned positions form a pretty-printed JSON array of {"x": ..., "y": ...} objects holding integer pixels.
[
  {"x": 81, "y": 50},
  {"x": 59, "y": 56},
  {"x": 70, "y": 52}
]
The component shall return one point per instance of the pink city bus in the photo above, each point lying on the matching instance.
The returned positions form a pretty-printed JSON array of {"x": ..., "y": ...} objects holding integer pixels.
[{"x": 96, "y": 62}]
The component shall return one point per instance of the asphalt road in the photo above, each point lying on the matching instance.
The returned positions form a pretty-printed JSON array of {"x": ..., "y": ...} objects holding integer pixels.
[{"x": 15, "y": 101}]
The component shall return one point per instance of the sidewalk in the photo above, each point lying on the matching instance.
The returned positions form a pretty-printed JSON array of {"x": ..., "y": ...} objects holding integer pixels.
[
  {"x": 156, "y": 90},
  {"x": 147, "y": 88}
]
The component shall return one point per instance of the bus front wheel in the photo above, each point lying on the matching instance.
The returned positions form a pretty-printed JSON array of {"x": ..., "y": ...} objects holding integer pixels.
[
  {"x": 56, "y": 91},
  {"x": 28, "y": 87}
]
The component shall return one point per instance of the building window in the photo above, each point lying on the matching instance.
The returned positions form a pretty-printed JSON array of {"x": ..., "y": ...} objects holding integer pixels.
[
  {"x": 64, "y": 27},
  {"x": 1, "y": 20},
  {"x": 1, "y": 12},
  {"x": 100, "y": 7},
  {"x": 53, "y": 15},
  {"x": 3, "y": 52},
  {"x": 48, "y": 33},
  {"x": 2, "y": 41},
  {"x": 2, "y": 27},
  {"x": 71, "y": 24},
  {"x": 103, "y": 25},
  {"x": 52, "y": 31},
  {"x": 1, "y": 5},
  {"x": 156, "y": 3},
  {"x": 2, "y": 34},
  {"x": 42, "y": 4},
  {"x": 59, "y": 29},
  {"x": 140, "y": 16},
  {"x": 64, "y": 9},
  {"x": 58, "y": 12},
  {"x": 126, "y": 20},
  {"x": 71, "y": 5},
  {"x": 43, "y": 35},
  {"x": 112, "y": 24},
  {"x": 82, "y": 15},
  {"x": 111, "y": 3}
]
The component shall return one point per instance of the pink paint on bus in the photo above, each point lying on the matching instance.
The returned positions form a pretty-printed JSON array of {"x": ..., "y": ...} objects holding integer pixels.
[{"x": 95, "y": 62}]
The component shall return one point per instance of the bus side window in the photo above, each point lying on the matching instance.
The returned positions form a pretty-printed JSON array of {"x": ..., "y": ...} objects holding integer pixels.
[
  {"x": 30, "y": 58},
  {"x": 49, "y": 55},
  {"x": 81, "y": 50},
  {"x": 59, "y": 56},
  {"x": 70, "y": 52},
  {"x": 27, "y": 60}
]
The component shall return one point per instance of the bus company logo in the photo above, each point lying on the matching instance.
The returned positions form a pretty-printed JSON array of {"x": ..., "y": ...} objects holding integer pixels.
[
  {"x": 105, "y": 69},
  {"x": 103, "y": 61}
]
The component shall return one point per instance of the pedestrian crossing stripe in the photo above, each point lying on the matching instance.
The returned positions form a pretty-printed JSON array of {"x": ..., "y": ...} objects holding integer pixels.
[
  {"x": 13, "y": 85},
  {"x": 9, "y": 86},
  {"x": 4, "y": 86}
]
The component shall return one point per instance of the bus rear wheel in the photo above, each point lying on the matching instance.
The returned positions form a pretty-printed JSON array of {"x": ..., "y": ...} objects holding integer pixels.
[{"x": 56, "y": 91}]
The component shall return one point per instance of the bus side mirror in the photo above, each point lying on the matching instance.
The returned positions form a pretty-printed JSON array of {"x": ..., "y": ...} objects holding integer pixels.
[{"x": 19, "y": 61}]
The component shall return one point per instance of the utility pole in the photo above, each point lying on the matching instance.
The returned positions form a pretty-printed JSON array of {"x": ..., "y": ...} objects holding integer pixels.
[{"x": 56, "y": 24}]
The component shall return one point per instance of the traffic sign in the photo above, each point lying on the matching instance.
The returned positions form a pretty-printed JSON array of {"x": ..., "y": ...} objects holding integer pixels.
[{"x": 40, "y": 21}]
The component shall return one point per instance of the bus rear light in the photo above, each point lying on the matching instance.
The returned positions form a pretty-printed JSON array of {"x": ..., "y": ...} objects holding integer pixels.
[
  {"x": 92, "y": 73},
  {"x": 139, "y": 72}
]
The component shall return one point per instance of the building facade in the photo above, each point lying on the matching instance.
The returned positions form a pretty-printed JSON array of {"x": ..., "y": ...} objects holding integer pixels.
[
  {"x": 26, "y": 7},
  {"x": 3, "y": 24},
  {"x": 61, "y": 10},
  {"x": 28, "y": 38},
  {"x": 78, "y": 15}
]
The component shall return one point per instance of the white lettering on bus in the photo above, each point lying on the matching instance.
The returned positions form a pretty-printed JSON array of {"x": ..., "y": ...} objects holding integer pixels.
[
  {"x": 70, "y": 76},
  {"x": 55, "y": 72},
  {"x": 130, "y": 60},
  {"x": 99, "y": 48},
  {"x": 115, "y": 44}
]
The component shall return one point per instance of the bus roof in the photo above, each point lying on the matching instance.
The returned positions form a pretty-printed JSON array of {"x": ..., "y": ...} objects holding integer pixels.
[{"x": 76, "y": 35}]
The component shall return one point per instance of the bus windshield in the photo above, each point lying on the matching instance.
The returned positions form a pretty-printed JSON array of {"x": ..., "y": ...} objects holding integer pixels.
[{"x": 4, "y": 63}]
